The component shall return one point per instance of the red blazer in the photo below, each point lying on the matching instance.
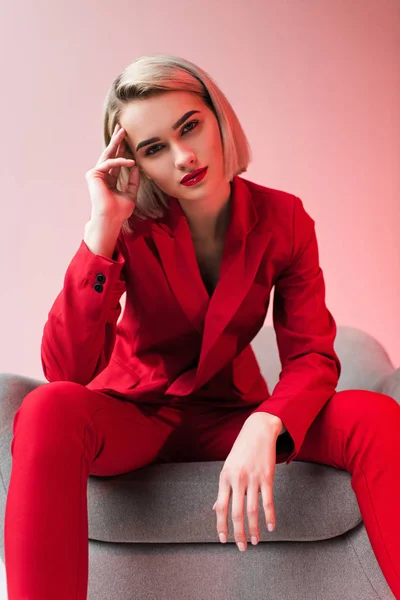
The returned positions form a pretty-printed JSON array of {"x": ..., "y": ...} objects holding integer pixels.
[{"x": 173, "y": 340}]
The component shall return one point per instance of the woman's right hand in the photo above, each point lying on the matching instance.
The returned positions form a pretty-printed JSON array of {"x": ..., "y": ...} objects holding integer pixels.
[{"x": 107, "y": 201}]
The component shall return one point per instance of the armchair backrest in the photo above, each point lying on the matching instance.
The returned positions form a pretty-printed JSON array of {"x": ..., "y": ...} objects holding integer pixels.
[{"x": 365, "y": 362}]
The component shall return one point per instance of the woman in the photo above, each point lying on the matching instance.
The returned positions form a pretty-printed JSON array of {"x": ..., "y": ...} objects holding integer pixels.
[{"x": 176, "y": 379}]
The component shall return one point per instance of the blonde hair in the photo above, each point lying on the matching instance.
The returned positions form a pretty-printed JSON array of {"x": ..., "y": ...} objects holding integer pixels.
[{"x": 155, "y": 74}]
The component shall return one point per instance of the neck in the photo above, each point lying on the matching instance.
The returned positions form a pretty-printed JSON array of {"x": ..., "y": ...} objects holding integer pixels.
[{"x": 208, "y": 219}]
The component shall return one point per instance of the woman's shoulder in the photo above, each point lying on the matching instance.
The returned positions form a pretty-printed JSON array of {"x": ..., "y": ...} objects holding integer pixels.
[
  {"x": 272, "y": 204},
  {"x": 266, "y": 194}
]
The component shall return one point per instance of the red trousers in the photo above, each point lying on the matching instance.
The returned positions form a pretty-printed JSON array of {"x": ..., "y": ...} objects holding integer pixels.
[{"x": 64, "y": 432}]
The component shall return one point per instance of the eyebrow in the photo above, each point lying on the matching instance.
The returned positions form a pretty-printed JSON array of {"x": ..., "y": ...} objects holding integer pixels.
[{"x": 175, "y": 126}]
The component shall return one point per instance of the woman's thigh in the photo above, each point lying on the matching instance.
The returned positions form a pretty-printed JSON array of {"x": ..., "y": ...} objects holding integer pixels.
[
  {"x": 65, "y": 419},
  {"x": 351, "y": 426}
]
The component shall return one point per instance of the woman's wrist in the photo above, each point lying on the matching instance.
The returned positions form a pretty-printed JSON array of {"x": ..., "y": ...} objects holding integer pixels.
[{"x": 272, "y": 421}]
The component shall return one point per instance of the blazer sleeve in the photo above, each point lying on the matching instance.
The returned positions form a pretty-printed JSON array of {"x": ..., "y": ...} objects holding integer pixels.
[
  {"x": 79, "y": 335},
  {"x": 305, "y": 332}
]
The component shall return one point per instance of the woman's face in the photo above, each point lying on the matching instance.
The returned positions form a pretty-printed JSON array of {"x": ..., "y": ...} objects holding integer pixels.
[{"x": 193, "y": 144}]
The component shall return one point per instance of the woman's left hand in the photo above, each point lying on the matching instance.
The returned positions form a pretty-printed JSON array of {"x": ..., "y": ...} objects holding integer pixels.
[{"x": 249, "y": 466}]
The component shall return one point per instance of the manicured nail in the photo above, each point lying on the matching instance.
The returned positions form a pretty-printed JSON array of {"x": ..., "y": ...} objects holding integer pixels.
[
  {"x": 222, "y": 538},
  {"x": 241, "y": 546},
  {"x": 270, "y": 527},
  {"x": 254, "y": 540}
]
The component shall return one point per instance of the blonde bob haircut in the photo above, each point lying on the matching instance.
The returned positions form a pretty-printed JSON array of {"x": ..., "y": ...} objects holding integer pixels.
[{"x": 155, "y": 74}]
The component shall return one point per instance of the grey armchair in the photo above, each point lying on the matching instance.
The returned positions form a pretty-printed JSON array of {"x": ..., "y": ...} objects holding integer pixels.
[{"x": 152, "y": 533}]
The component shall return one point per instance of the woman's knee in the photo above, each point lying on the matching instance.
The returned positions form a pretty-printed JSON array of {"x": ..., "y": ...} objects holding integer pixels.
[
  {"x": 52, "y": 404},
  {"x": 368, "y": 408}
]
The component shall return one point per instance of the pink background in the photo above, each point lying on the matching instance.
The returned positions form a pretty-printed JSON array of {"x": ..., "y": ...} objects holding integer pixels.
[{"x": 316, "y": 85}]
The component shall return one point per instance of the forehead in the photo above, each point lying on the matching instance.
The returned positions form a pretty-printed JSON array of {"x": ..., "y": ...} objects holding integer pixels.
[{"x": 143, "y": 118}]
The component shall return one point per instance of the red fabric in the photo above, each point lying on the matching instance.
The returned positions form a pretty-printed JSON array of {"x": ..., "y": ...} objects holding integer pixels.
[
  {"x": 63, "y": 432},
  {"x": 173, "y": 340}
]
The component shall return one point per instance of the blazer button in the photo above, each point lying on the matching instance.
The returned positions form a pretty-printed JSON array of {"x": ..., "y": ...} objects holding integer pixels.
[
  {"x": 100, "y": 278},
  {"x": 98, "y": 287}
]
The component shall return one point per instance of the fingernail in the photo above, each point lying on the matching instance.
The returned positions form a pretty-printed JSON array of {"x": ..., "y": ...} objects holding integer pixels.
[
  {"x": 222, "y": 538},
  {"x": 254, "y": 540},
  {"x": 270, "y": 527},
  {"x": 241, "y": 546}
]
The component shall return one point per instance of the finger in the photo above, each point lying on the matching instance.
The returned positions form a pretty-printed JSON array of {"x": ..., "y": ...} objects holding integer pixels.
[
  {"x": 221, "y": 508},
  {"x": 102, "y": 170},
  {"x": 133, "y": 180},
  {"x": 252, "y": 510},
  {"x": 109, "y": 151},
  {"x": 114, "y": 174},
  {"x": 268, "y": 502},
  {"x": 108, "y": 164},
  {"x": 115, "y": 171},
  {"x": 238, "y": 492}
]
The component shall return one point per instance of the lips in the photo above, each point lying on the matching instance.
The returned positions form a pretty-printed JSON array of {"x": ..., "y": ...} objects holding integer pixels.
[{"x": 193, "y": 174}]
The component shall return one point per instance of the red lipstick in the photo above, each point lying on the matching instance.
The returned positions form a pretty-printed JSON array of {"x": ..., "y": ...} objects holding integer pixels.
[{"x": 195, "y": 177}]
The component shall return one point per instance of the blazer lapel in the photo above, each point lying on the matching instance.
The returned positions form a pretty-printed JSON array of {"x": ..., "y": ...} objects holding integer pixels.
[
  {"x": 173, "y": 240},
  {"x": 245, "y": 245}
]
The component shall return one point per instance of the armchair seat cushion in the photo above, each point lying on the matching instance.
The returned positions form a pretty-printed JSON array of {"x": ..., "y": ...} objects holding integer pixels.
[{"x": 172, "y": 503}]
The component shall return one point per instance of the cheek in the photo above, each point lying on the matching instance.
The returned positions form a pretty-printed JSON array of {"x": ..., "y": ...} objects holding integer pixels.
[
  {"x": 216, "y": 141},
  {"x": 157, "y": 172},
  {"x": 161, "y": 176},
  {"x": 151, "y": 170}
]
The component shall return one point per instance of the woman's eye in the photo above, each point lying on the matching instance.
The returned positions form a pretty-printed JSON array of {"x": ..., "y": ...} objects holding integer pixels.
[
  {"x": 190, "y": 123},
  {"x": 149, "y": 151}
]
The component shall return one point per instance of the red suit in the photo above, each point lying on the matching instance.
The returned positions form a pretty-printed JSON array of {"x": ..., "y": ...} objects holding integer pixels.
[
  {"x": 177, "y": 378},
  {"x": 174, "y": 340}
]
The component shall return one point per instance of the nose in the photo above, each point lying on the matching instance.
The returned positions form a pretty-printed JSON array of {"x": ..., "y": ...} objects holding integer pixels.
[{"x": 184, "y": 159}]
